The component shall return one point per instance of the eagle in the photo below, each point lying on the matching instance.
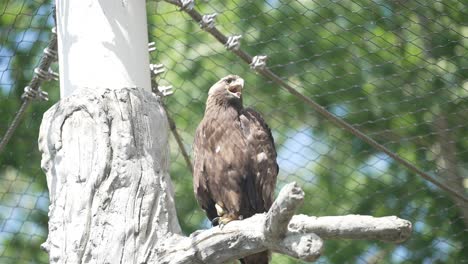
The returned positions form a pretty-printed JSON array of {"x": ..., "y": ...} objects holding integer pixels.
[{"x": 234, "y": 165}]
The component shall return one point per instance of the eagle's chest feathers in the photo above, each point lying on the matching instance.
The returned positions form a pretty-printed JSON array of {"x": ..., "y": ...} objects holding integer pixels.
[{"x": 227, "y": 131}]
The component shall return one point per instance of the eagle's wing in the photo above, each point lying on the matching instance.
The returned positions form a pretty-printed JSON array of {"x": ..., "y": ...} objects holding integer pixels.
[
  {"x": 200, "y": 181},
  {"x": 261, "y": 187},
  {"x": 221, "y": 165}
]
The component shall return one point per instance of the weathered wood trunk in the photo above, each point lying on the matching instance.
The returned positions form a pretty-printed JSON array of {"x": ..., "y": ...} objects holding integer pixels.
[{"x": 105, "y": 154}]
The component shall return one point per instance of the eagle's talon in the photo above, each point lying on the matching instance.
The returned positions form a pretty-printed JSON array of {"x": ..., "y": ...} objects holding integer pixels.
[
  {"x": 215, "y": 221},
  {"x": 222, "y": 221}
]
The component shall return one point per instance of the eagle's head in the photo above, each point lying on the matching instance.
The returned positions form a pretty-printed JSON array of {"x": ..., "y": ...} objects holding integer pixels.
[{"x": 227, "y": 90}]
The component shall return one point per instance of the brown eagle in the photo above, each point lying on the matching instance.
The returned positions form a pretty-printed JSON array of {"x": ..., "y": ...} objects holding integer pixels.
[{"x": 235, "y": 165}]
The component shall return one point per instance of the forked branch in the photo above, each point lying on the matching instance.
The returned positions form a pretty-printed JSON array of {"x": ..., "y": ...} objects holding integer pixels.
[{"x": 279, "y": 231}]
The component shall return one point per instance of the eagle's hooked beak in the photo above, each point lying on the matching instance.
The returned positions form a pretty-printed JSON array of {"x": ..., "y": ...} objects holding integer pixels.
[{"x": 236, "y": 86}]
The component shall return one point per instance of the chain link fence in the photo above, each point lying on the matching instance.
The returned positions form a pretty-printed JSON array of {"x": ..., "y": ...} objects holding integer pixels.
[{"x": 394, "y": 70}]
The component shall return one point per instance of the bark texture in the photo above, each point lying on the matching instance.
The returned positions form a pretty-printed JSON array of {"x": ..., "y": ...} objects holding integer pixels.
[
  {"x": 389, "y": 229},
  {"x": 105, "y": 154}
]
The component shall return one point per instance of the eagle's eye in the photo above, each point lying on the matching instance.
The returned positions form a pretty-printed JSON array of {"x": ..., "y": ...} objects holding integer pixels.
[{"x": 229, "y": 80}]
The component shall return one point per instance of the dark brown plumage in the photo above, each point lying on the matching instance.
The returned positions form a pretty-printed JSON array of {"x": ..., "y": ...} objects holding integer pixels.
[{"x": 235, "y": 165}]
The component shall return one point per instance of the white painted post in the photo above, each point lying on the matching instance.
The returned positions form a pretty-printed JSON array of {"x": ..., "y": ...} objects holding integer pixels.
[
  {"x": 102, "y": 44},
  {"x": 105, "y": 143}
]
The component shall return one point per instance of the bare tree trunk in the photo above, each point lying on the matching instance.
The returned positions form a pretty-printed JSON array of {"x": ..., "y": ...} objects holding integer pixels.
[
  {"x": 447, "y": 160},
  {"x": 105, "y": 154},
  {"x": 448, "y": 164}
]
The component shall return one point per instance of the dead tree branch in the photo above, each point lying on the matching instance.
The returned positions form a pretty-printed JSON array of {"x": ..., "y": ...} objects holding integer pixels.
[
  {"x": 278, "y": 230},
  {"x": 105, "y": 154}
]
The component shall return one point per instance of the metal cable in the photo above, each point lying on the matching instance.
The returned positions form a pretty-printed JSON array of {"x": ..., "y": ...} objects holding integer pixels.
[
  {"x": 187, "y": 6},
  {"x": 33, "y": 91},
  {"x": 156, "y": 88},
  {"x": 180, "y": 142}
]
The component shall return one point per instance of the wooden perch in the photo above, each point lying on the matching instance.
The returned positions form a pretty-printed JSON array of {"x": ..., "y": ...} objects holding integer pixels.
[
  {"x": 276, "y": 231},
  {"x": 252, "y": 235},
  {"x": 105, "y": 153},
  {"x": 387, "y": 229}
]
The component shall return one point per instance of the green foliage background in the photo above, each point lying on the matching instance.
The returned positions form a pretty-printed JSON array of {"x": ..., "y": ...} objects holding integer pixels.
[{"x": 394, "y": 69}]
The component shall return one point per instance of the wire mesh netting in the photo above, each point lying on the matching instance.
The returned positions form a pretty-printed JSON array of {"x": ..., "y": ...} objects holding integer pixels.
[
  {"x": 24, "y": 33},
  {"x": 396, "y": 70}
]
